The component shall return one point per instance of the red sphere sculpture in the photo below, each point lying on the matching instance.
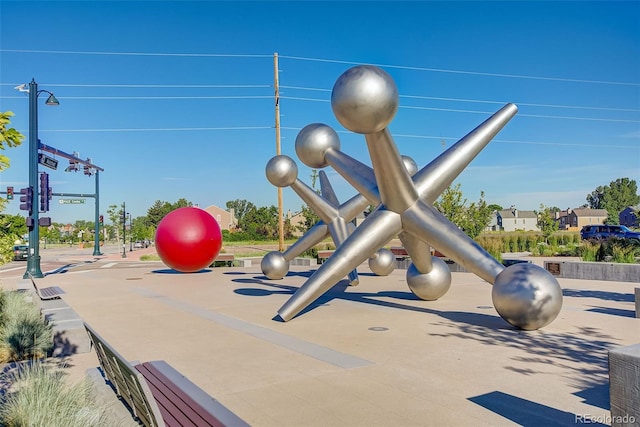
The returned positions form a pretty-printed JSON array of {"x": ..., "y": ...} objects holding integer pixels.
[{"x": 188, "y": 239}]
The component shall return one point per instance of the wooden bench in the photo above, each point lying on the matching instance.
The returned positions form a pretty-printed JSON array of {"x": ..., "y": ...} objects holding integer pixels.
[
  {"x": 399, "y": 252},
  {"x": 157, "y": 394},
  {"x": 52, "y": 292},
  {"x": 227, "y": 259},
  {"x": 324, "y": 254}
]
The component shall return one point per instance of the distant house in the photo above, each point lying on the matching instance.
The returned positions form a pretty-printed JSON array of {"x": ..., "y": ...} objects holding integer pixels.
[
  {"x": 226, "y": 219},
  {"x": 493, "y": 222},
  {"x": 630, "y": 216},
  {"x": 562, "y": 218},
  {"x": 513, "y": 219},
  {"x": 66, "y": 230},
  {"x": 580, "y": 217},
  {"x": 296, "y": 220}
]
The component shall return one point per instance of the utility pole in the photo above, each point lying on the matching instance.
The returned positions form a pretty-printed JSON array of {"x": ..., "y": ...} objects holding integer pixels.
[{"x": 278, "y": 151}]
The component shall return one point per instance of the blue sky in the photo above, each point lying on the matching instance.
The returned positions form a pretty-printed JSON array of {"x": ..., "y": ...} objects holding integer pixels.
[{"x": 175, "y": 99}]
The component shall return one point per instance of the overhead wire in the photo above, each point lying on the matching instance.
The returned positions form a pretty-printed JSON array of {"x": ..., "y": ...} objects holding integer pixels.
[{"x": 307, "y": 99}]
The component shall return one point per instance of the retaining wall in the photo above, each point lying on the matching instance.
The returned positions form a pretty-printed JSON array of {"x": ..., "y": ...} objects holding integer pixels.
[{"x": 614, "y": 272}]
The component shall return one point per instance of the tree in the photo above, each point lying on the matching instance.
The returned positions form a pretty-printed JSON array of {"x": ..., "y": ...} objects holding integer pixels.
[
  {"x": 495, "y": 208},
  {"x": 472, "y": 219},
  {"x": 140, "y": 230},
  {"x": 240, "y": 209},
  {"x": 261, "y": 222},
  {"x": 114, "y": 212},
  {"x": 181, "y": 203},
  {"x": 478, "y": 217},
  {"x": 50, "y": 234},
  {"x": 547, "y": 222},
  {"x": 11, "y": 228},
  {"x": 614, "y": 197},
  {"x": 158, "y": 211},
  {"x": 452, "y": 205},
  {"x": 310, "y": 219},
  {"x": 8, "y": 136}
]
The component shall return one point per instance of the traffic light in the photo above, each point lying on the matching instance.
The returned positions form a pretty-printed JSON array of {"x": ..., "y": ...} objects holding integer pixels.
[
  {"x": 88, "y": 170},
  {"x": 74, "y": 166},
  {"x": 26, "y": 200},
  {"x": 101, "y": 220},
  {"x": 9, "y": 193},
  {"x": 44, "y": 192}
]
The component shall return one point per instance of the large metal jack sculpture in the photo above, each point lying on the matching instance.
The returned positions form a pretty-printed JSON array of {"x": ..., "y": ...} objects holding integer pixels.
[{"x": 365, "y": 100}]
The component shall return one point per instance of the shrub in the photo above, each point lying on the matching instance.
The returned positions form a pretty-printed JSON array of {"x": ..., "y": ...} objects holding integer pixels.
[
  {"x": 589, "y": 251},
  {"x": 493, "y": 246},
  {"x": 41, "y": 397},
  {"x": 23, "y": 332},
  {"x": 615, "y": 250},
  {"x": 310, "y": 253},
  {"x": 623, "y": 254}
]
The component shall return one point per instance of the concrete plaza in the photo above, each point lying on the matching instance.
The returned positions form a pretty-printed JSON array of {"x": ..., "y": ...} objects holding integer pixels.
[{"x": 371, "y": 355}]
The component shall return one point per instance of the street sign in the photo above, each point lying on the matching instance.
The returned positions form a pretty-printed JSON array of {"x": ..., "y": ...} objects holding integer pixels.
[
  {"x": 71, "y": 201},
  {"x": 47, "y": 161}
]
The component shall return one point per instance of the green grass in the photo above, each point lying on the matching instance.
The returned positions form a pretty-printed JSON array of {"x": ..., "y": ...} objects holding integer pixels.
[
  {"x": 250, "y": 254},
  {"x": 23, "y": 331},
  {"x": 41, "y": 397}
]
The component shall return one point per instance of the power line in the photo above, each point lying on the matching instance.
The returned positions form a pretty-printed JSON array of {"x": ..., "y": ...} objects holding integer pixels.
[
  {"x": 452, "y": 110},
  {"x": 154, "y": 97},
  {"x": 160, "y": 129},
  {"x": 476, "y": 73},
  {"x": 153, "y": 86},
  {"x": 482, "y": 101},
  {"x": 334, "y": 61},
  {"x": 594, "y": 119},
  {"x": 75, "y": 52},
  {"x": 452, "y": 138}
]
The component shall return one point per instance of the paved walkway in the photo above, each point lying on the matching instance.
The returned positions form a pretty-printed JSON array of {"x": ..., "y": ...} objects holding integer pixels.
[{"x": 371, "y": 355}]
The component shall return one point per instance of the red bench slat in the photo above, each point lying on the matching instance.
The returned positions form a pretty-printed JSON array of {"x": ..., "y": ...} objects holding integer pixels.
[{"x": 172, "y": 400}]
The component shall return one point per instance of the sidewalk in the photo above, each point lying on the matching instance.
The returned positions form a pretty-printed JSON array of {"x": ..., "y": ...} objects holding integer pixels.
[{"x": 371, "y": 355}]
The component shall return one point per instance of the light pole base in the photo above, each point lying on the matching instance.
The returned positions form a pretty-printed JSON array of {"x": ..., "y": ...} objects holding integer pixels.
[{"x": 33, "y": 268}]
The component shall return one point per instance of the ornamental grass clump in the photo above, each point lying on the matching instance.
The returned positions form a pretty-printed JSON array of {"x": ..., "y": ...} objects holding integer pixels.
[
  {"x": 24, "y": 334},
  {"x": 40, "y": 396}
]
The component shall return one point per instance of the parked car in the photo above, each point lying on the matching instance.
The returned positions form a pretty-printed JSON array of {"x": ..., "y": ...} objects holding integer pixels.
[
  {"x": 604, "y": 232},
  {"x": 141, "y": 244},
  {"x": 20, "y": 252}
]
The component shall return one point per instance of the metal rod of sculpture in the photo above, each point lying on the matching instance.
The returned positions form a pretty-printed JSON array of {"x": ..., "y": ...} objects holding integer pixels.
[
  {"x": 364, "y": 100},
  {"x": 335, "y": 219}
]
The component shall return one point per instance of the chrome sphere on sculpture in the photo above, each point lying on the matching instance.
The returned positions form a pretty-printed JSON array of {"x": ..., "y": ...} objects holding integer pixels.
[
  {"x": 410, "y": 165},
  {"x": 313, "y": 141},
  {"x": 382, "y": 262},
  {"x": 527, "y": 296},
  {"x": 432, "y": 285},
  {"x": 364, "y": 99},
  {"x": 274, "y": 265},
  {"x": 281, "y": 171}
]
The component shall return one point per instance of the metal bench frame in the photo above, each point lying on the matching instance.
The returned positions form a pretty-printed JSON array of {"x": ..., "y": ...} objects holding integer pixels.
[
  {"x": 52, "y": 292},
  {"x": 159, "y": 395}
]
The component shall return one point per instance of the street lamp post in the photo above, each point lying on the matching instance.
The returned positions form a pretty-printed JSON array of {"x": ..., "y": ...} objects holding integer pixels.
[
  {"x": 33, "y": 260},
  {"x": 124, "y": 231},
  {"x": 130, "y": 235},
  {"x": 96, "y": 242}
]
